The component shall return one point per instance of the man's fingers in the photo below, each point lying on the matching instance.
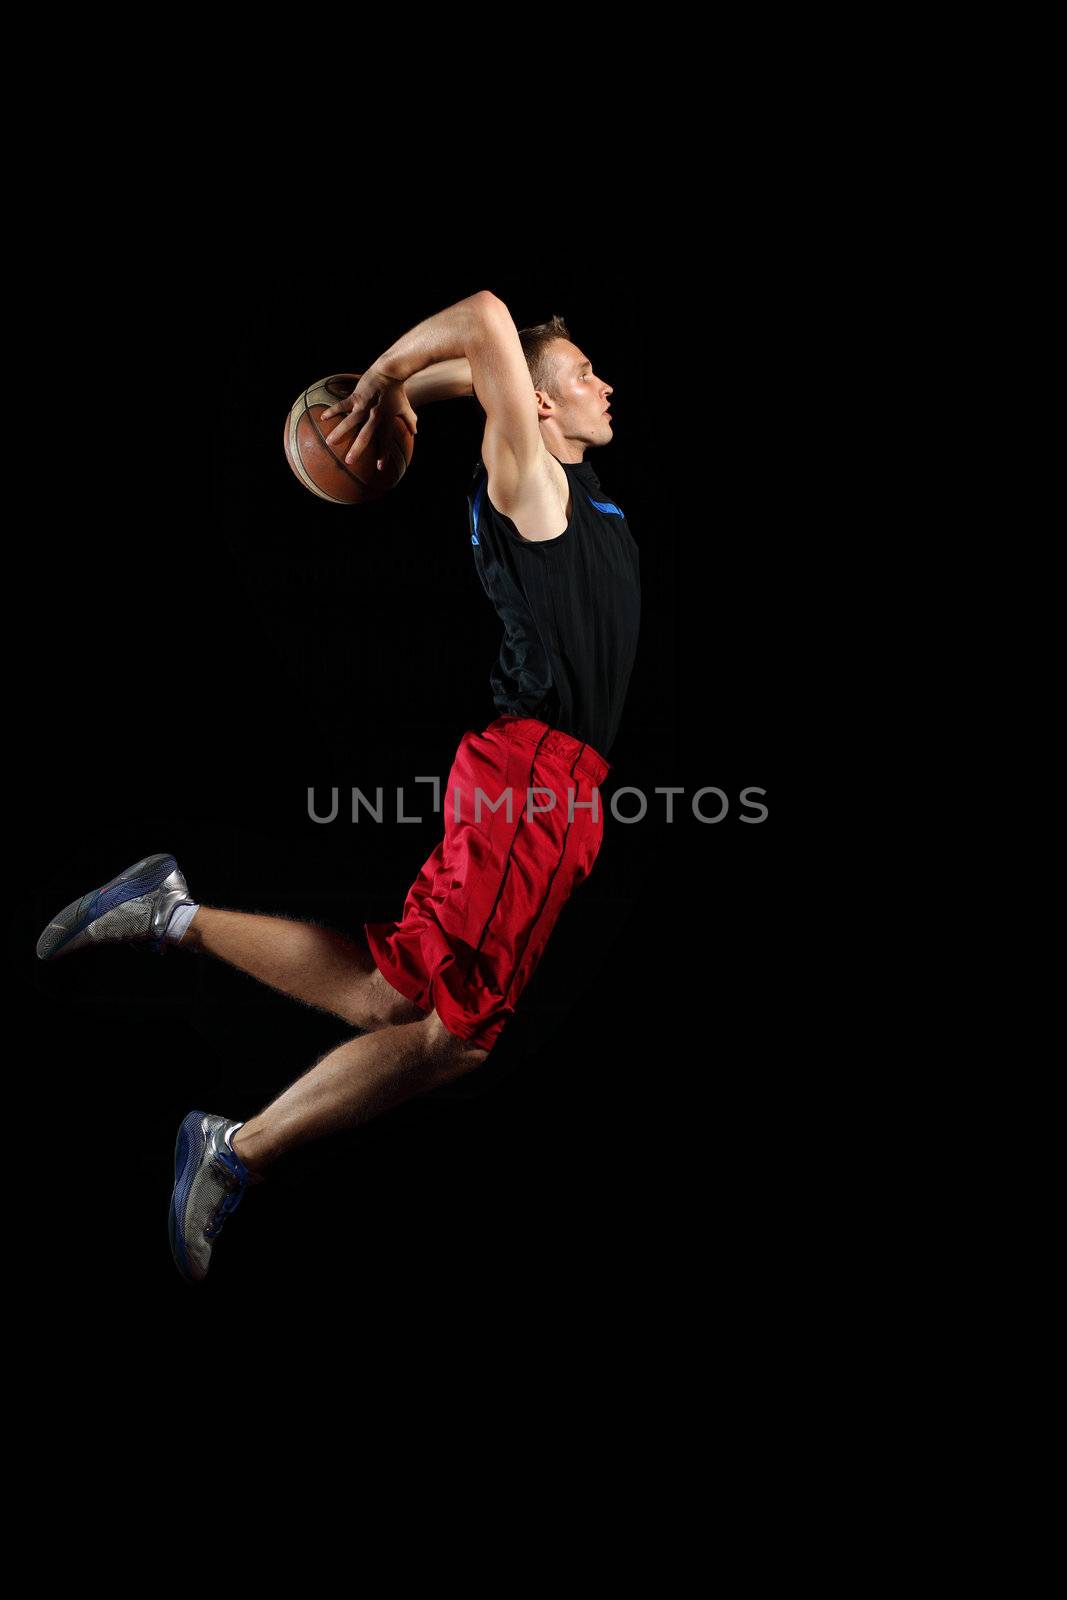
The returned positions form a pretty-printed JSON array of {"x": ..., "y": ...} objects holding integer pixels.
[
  {"x": 362, "y": 422},
  {"x": 343, "y": 428},
  {"x": 362, "y": 440}
]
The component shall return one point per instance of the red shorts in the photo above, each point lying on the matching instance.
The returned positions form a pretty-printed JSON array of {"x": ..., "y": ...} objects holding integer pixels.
[{"x": 479, "y": 914}]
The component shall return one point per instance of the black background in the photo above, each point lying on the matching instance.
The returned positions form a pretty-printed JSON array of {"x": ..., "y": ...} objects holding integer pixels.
[{"x": 217, "y": 641}]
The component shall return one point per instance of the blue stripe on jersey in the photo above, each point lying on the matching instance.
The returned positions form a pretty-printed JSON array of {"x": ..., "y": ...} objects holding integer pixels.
[
  {"x": 477, "y": 503},
  {"x": 604, "y": 505}
]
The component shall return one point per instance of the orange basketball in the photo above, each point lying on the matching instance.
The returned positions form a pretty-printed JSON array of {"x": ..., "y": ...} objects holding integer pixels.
[{"x": 322, "y": 468}]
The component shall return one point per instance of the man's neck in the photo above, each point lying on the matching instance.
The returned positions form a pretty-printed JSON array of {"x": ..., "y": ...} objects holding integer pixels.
[{"x": 570, "y": 450}]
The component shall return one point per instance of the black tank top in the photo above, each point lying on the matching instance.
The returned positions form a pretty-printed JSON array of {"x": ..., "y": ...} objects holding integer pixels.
[{"x": 571, "y": 609}]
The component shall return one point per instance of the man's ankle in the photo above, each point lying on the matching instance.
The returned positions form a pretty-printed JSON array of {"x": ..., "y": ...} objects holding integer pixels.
[
  {"x": 255, "y": 1173},
  {"x": 188, "y": 938}
]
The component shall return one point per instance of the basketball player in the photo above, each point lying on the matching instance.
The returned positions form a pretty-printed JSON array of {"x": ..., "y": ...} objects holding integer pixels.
[{"x": 430, "y": 994}]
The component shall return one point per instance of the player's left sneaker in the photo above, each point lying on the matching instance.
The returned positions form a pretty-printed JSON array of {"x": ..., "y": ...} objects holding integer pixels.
[
  {"x": 137, "y": 904},
  {"x": 209, "y": 1182}
]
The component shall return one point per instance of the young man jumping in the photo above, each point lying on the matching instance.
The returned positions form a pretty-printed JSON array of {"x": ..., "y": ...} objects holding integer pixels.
[{"x": 523, "y": 822}]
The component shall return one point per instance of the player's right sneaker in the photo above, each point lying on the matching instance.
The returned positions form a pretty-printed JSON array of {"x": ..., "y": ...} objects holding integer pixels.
[{"x": 137, "y": 904}]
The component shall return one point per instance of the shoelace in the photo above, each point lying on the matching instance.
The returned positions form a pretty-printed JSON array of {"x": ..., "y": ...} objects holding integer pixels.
[{"x": 233, "y": 1198}]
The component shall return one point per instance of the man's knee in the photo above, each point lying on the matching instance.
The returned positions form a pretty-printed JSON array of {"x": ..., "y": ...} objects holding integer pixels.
[
  {"x": 385, "y": 1006},
  {"x": 457, "y": 1055}
]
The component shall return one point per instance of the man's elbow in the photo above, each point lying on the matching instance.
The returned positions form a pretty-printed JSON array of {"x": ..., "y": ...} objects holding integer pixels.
[
  {"x": 488, "y": 320},
  {"x": 489, "y": 304}
]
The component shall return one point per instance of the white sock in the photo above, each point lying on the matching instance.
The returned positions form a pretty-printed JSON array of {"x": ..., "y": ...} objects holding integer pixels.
[{"x": 180, "y": 919}]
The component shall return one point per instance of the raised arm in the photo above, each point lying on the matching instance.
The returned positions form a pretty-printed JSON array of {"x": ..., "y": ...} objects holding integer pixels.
[
  {"x": 512, "y": 448},
  {"x": 382, "y": 392},
  {"x": 479, "y": 331}
]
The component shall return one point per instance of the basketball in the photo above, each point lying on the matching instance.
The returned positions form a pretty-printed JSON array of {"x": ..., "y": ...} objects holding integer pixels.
[{"x": 322, "y": 468}]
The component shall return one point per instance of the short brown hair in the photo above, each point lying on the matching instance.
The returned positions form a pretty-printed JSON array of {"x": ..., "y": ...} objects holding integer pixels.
[{"x": 535, "y": 342}]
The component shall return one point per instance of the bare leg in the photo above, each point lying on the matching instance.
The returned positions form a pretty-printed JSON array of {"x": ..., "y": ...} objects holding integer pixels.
[
  {"x": 352, "y": 1084},
  {"x": 312, "y": 964}
]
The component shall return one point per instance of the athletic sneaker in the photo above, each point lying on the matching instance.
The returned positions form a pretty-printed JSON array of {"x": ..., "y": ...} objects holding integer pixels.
[
  {"x": 209, "y": 1182},
  {"x": 138, "y": 904}
]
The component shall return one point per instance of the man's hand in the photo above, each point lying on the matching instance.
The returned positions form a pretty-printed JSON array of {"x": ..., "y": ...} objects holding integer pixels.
[{"x": 367, "y": 412}]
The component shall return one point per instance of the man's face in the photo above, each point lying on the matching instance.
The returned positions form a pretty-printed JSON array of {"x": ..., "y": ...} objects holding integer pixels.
[{"x": 581, "y": 398}]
